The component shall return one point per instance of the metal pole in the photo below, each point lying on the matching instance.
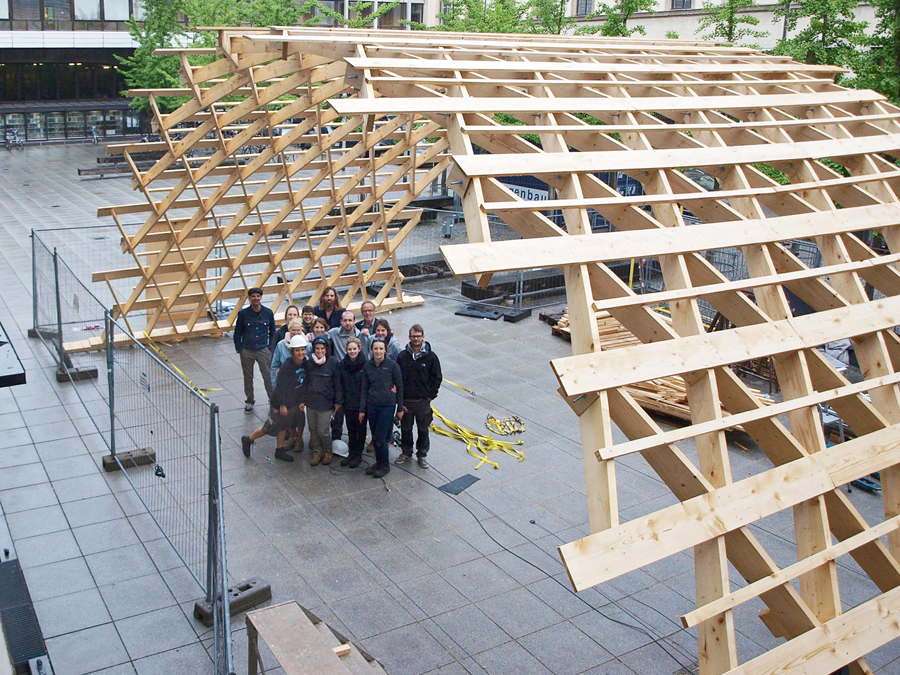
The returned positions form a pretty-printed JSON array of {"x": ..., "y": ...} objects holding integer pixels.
[
  {"x": 34, "y": 284},
  {"x": 59, "y": 333},
  {"x": 211, "y": 537},
  {"x": 111, "y": 379},
  {"x": 519, "y": 289}
]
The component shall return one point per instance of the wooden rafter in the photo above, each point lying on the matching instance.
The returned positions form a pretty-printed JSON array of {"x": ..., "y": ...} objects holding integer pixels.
[{"x": 793, "y": 157}]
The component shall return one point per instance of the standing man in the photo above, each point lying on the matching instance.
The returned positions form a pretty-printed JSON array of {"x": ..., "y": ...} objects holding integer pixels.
[
  {"x": 253, "y": 335},
  {"x": 328, "y": 308},
  {"x": 421, "y": 371},
  {"x": 366, "y": 325},
  {"x": 338, "y": 337}
]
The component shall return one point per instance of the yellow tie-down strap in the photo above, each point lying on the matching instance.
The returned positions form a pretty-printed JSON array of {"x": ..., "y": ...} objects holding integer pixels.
[{"x": 477, "y": 445}]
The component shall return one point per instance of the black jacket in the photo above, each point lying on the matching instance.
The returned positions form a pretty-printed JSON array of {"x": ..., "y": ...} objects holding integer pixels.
[
  {"x": 323, "y": 385},
  {"x": 290, "y": 386},
  {"x": 421, "y": 373},
  {"x": 352, "y": 381},
  {"x": 335, "y": 320},
  {"x": 377, "y": 384}
]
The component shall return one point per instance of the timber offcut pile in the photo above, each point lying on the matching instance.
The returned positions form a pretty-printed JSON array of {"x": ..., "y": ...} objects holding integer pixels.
[{"x": 666, "y": 396}]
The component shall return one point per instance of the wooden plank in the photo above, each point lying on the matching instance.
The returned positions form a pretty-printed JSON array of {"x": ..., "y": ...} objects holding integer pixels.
[
  {"x": 826, "y": 648},
  {"x": 599, "y": 372},
  {"x": 635, "y": 160},
  {"x": 746, "y": 284},
  {"x": 612, "y": 246},
  {"x": 444, "y": 105},
  {"x": 785, "y": 575},
  {"x": 646, "y": 67},
  {"x": 606, "y": 555},
  {"x": 741, "y": 418},
  {"x": 294, "y": 641}
]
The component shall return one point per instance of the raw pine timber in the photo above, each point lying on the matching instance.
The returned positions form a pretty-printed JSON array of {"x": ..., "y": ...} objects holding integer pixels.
[
  {"x": 769, "y": 155},
  {"x": 261, "y": 183}
]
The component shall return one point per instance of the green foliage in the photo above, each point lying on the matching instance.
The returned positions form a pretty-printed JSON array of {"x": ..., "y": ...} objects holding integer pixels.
[
  {"x": 616, "y": 18},
  {"x": 169, "y": 24},
  {"x": 830, "y": 33},
  {"x": 778, "y": 176},
  {"x": 476, "y": 16},
  {"x": 879, "y": 68},
  {"x": 549, "y": 16},
  {"x": 728, "y": 22},
  {"x": 510, "y": 121},
  {"x": 671, "y": 34}
]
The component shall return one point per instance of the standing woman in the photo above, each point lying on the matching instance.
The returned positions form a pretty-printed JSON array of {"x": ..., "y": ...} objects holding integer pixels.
[
  {"x": 352, "y": 387},
  {"x": 291, "y": 313},
  {"x": 383, "y": 332},
  {"x": 324, "y": 398},
  {"x": 382, "y": 395}
]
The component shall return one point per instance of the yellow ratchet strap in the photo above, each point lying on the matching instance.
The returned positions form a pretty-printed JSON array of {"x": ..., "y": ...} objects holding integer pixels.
[
  {"x": 459, "y": 386},
  {"x": 505, "y": 426},
  {"x": 477, "y": 445},
  {"x": 162, "y": 355}
]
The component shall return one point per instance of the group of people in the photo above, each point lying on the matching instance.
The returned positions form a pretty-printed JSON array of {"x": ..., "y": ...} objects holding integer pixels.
[{"x": 323, "y": 369}]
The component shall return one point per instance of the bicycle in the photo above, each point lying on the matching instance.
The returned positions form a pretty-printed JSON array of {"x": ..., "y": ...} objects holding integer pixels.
[{"x": 14, "y": 141}]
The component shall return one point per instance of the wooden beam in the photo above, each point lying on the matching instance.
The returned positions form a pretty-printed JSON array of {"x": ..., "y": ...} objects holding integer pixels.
[{"x": 606, "y": 555}]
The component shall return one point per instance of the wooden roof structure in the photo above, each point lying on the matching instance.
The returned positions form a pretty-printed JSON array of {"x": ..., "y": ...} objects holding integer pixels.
[{"x": 794, "y": 157}]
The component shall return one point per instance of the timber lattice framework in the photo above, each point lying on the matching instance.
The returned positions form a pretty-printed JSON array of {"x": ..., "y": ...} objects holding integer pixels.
[{"x": 794, "y": 157}]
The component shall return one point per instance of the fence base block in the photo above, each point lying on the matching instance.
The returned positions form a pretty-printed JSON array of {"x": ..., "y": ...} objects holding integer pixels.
[
  {"x": 243, "y": 595},
  {"x": 45, "y": 334},
  {"x": 76, "y": 374},
  {"x": 129, "y": 460},
  {"x": 515, "y": 317}
]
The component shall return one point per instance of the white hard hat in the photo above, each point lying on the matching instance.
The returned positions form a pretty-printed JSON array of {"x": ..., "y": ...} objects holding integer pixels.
[{"x": 298, "y": 341}]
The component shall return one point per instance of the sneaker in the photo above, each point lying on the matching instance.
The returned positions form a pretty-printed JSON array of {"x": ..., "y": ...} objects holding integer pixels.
[
  {"x": 423, "y": 462},
  {"x": 248, "y": 408},
  {"x": 327, "y": 458},
  {"x": 345, "y": 461},
  {"x": 402, "y": 459},
  {"x": 281, "y": 453},
  {"x": 245, "y": 445},
  {"x": 354, "y": 461},
  {"x": 370, "y": 448},
  {"x": 298, "y": 444},
  {"x": 381, "y": 471},
  {"x": 316, "y": 458},
  {"x": 371, "y": 469}
]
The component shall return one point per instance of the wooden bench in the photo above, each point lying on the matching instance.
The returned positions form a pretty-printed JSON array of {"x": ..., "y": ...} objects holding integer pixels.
[{"x": 303, "y": 644}]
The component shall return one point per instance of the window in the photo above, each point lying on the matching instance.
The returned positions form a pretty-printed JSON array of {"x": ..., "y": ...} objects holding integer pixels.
[
  {"x": 4, "y": 9},
  {"x": 115, "y": 10},
  {"x": 87, "y": 10},
  {"x": 57, "y": 10},
  {"x": 36, "y": 127},
  {"x": 681, "y": 4},
  {"x": 584, "y": 7},
  {"x": 26, "y": 9},
  {"x": 56, "y": 125}
]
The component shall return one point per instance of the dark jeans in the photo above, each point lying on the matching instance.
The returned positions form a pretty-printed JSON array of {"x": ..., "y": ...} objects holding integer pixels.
[
  {"x": 380, "y": 422},
  {"x": 337, "y": 425},
  {"x": 418, "y": 411},
  {"x": 356, "y": 433}
]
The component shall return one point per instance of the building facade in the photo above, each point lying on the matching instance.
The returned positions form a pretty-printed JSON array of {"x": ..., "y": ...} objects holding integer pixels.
[
  {"x": 682, "y": 17},
  {"x": 58, "y": 77}
]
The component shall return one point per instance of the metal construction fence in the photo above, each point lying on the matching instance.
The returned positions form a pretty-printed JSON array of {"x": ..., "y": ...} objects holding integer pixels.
[{"x": 161, "y": 432}]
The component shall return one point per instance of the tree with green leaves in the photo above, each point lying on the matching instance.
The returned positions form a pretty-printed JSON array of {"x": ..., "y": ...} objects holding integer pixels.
[
  {"x": 616, "y": 18},
  {"x": 729, "y": 21},
  {"x": 478, "y": 16},
  {"x": 879, "y": 67},
  {"x": 830, "y": 32},
  {"x": 549, "y": 16},
  {"x": 172, "y": 23}
]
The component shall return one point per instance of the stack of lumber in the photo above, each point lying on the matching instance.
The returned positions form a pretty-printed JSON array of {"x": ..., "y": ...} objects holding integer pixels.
[{"x": 666, "y": 396}]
